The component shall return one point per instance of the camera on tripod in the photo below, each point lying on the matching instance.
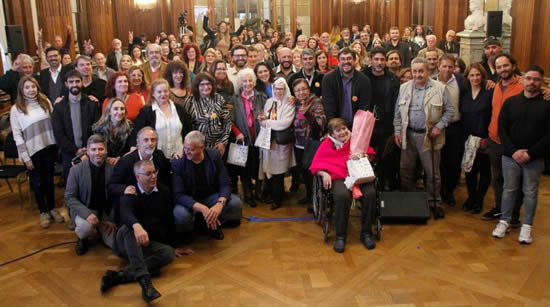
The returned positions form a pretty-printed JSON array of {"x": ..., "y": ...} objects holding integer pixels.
[{"x": 182, "y": 19}]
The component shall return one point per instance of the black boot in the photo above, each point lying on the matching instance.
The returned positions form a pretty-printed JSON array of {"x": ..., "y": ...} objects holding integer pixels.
[
  {"x": 339, "y": 244},
  {"x": 113, "y": 278},
  {"x": 248, "y": 194},
  {"x": 367, "y": 240},
  {"x": 148, "y": 292},
  {"x": 81, "y": 247}
]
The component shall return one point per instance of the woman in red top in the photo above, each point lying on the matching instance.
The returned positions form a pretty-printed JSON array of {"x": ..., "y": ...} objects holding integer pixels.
[
  {"x": 330, "y": 162},
  {"x": 117, "y": 86}
]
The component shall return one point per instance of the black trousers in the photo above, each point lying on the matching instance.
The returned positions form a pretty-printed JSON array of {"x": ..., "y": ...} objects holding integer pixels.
[
  {"x": 478, "y": 188},
  {"x": 301, "y": 174},
  {"x": 387, "y": 160},
  {"x": 342, "y": 204},
  {"x": 451, "y": 158},
  {"x": 41, "y": 177},
  {"x": 142, "y": 260},
  {"x": 277, "y": 187}
]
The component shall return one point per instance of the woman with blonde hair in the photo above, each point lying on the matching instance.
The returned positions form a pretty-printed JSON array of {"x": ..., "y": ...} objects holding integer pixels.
[
  {"x": 362, "y": 57},
  {"x": 31, "y": 124},
  {"x": 170, "y": 120},
  {"x": 116, "y": 128},
  {"x": 221, "y": 37},
  {"x": 209, "y": 56}
]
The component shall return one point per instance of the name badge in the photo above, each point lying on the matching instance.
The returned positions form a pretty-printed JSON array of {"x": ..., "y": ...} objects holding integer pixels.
[
  {"x": 354, "y": 98},
  {"x": 214, "y": 116},
  {"x": 317, "y": 84}
]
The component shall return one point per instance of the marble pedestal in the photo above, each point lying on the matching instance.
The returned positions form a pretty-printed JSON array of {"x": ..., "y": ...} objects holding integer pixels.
[{"x": 472, "y": 43}]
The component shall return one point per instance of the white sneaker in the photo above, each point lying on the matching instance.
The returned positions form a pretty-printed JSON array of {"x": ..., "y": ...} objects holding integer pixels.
[
  {"x": 525, "y": 234},
  {"x": 44, "y": 220},
  {"x": 56, "y": 216},
  {"x": 502, "y": 228}
]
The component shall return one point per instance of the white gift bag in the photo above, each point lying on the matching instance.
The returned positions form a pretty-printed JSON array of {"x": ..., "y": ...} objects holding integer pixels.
[
  {"x": 360, "y": 171},
  {"x": 238, "y": 154},
  {"x": 263, "y": 139}
]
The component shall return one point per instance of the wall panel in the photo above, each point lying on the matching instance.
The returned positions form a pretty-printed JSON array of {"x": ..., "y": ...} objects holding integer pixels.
[
  {"x": 19, "y": 12},
  {"x": 53, "y": 18}
]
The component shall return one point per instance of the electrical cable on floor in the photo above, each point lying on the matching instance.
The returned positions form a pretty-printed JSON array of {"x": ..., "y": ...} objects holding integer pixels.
[{"x": 36, "y": 252}]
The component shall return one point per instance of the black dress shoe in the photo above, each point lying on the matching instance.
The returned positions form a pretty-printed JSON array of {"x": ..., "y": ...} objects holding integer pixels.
[
  {"x": 148, "y": 292},
  {"x": 81, "y": 247},
  {"x": 439, "y": 213},
  {"x": 339, "y": 245},
  {"x": 275, "y": 206},
  {"x": 217, "y": 234},
  {"x": 367, "y": 240},
  {"x": 113, "y": 278}
]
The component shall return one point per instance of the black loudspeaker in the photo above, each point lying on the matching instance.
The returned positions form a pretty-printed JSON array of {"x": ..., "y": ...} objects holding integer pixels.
[
  {"x": 16, "y": 41},
  {"x": 411, "y": 207},
  {"x": 494, "y": 23}
]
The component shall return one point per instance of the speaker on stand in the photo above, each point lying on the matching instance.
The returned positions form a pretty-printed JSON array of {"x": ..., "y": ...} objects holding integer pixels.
[
  {"x": 16, "y": 40},
  {"x": 494, "y": 24}
]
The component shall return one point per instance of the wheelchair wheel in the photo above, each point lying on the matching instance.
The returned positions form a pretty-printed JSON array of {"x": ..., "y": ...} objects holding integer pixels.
[
  {"x": 319, "y": 201},
  {"x": 378, "y": 229},
  {"x": 326, "y": 229}
]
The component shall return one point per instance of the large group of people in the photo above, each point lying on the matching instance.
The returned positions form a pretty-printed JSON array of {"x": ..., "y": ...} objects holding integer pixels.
[{"x": 144, "y": 138}]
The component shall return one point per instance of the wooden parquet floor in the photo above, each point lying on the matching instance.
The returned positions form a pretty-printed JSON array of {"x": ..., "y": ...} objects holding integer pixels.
[{"x": 453, "y": 261}]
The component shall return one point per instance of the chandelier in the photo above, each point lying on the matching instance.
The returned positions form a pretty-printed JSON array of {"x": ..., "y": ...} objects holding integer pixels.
[{"x": 145, "y": 4}]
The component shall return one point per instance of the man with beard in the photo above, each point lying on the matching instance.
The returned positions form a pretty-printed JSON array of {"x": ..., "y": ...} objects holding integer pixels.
[
  {"x": 422, "y": 112},
  {"x": 491, "y": 50},
  {"x": 385, "y": 88},
  {"x": 451, "y": 153},
  {"x": 239, "y": 57},
  {"x": 72, "y": 119},
  {"x": 324, "y": 41},
  {"x": 153, "y": 69},
  {"x": 314, "y": 78},
  {"x": 92, "y": 86},
  {"x": 123, "y": 180},
  {"x": 346, "y": 90},
  {"x": 524, "y": 130},
  {"x": 285, "y": 67},
  {"x": 393, "y": 58},
  {"x": 396, "y": 44},
  {"x": 508, "y": 85},
  {"x": 51, "y": 79}
]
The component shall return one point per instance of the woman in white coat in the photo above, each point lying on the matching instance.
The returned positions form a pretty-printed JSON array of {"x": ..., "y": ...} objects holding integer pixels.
[{"x": 275, "y": 162}]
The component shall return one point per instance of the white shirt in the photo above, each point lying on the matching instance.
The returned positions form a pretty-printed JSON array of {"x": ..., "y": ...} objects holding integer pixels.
[
  {"x": 169, "y": 130},
  {"x": 55, "y": 73},
  {"x": 155, "y": 189},
  {"x": 451, "y": 87}
]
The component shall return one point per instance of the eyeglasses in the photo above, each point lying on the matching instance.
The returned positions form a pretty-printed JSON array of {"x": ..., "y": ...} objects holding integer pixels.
[
  {"x": 149, "y": 174},
  {"x": 205, "y": 84}
]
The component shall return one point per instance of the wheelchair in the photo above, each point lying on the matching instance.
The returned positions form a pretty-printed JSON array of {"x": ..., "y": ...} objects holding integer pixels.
[{"x": 323, "y": 208}]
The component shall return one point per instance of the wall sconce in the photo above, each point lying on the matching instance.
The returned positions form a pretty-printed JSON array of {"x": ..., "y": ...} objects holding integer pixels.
[{"x": 145, "y": 4}]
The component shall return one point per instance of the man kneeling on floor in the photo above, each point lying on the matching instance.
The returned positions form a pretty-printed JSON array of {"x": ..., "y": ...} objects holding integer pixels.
[
  {"x": 86, "y": 195},
  {"x": 201, "y": 185},
  {"x": 146, "y": 230}
]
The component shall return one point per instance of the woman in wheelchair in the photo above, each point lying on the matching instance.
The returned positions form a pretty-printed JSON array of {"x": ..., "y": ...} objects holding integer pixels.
[{"x": 329, "y": 162}]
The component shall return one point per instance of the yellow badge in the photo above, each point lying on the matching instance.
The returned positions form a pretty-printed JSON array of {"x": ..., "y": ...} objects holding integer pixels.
[
  {"x": 354, "y": 98},
  {"x": 317, "y": 84},
  {"x": 214, "y": 115}
]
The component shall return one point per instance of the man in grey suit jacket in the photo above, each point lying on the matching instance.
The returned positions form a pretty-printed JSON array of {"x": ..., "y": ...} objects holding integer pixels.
[{"x": 86, "y": 195}]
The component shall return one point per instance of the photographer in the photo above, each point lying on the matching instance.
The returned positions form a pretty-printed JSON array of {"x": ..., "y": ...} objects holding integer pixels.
[{"x": 185, "y": 27}]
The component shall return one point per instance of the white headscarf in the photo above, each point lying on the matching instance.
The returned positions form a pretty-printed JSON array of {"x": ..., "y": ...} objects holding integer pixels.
[{"x": 277, "y": 83}]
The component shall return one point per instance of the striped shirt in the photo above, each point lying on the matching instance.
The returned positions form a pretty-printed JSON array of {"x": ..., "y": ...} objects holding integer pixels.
[
  {"x": 33, "y": 131},
  {"x": 211, "y": 118}
]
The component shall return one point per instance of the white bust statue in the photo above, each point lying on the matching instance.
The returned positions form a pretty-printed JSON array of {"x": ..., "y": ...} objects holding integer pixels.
[
  {"x": 476, "y": 20},
  {"x": 505, "y": 6}
]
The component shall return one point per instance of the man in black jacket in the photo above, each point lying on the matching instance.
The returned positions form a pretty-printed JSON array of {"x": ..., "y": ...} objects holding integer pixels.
[
  {"x": 92, "y": 86},
  {"x": 524, "y": 130},
  {"x": 123, "y": 180},
  {"x": 397, "y": 44},
  {"x": 51, "y": 79},
  {"x": 146, "y": 233},
  {"x": 346, "y": 90},
  {"x": 72, "y": 119},
  {"x": 385, "y": 89},
  {"x": 313, "y": 77}
]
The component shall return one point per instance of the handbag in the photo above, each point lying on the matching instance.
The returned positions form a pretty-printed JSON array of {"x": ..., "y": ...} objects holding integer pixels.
[
  {"x": 238, "y": 154},
  {"x": 284, "y": 137},
  {"x": 263, "y": 139},
  {"x": 360, "y": 171}
]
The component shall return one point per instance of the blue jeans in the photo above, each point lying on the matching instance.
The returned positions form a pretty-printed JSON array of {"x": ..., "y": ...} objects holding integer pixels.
[
  {"x": 231, "y": 212},
  {"x": 513, "y": 174}
]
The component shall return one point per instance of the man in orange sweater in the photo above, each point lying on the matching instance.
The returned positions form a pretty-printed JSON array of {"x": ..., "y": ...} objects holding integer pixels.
[{"x": 509, "y": 85}]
